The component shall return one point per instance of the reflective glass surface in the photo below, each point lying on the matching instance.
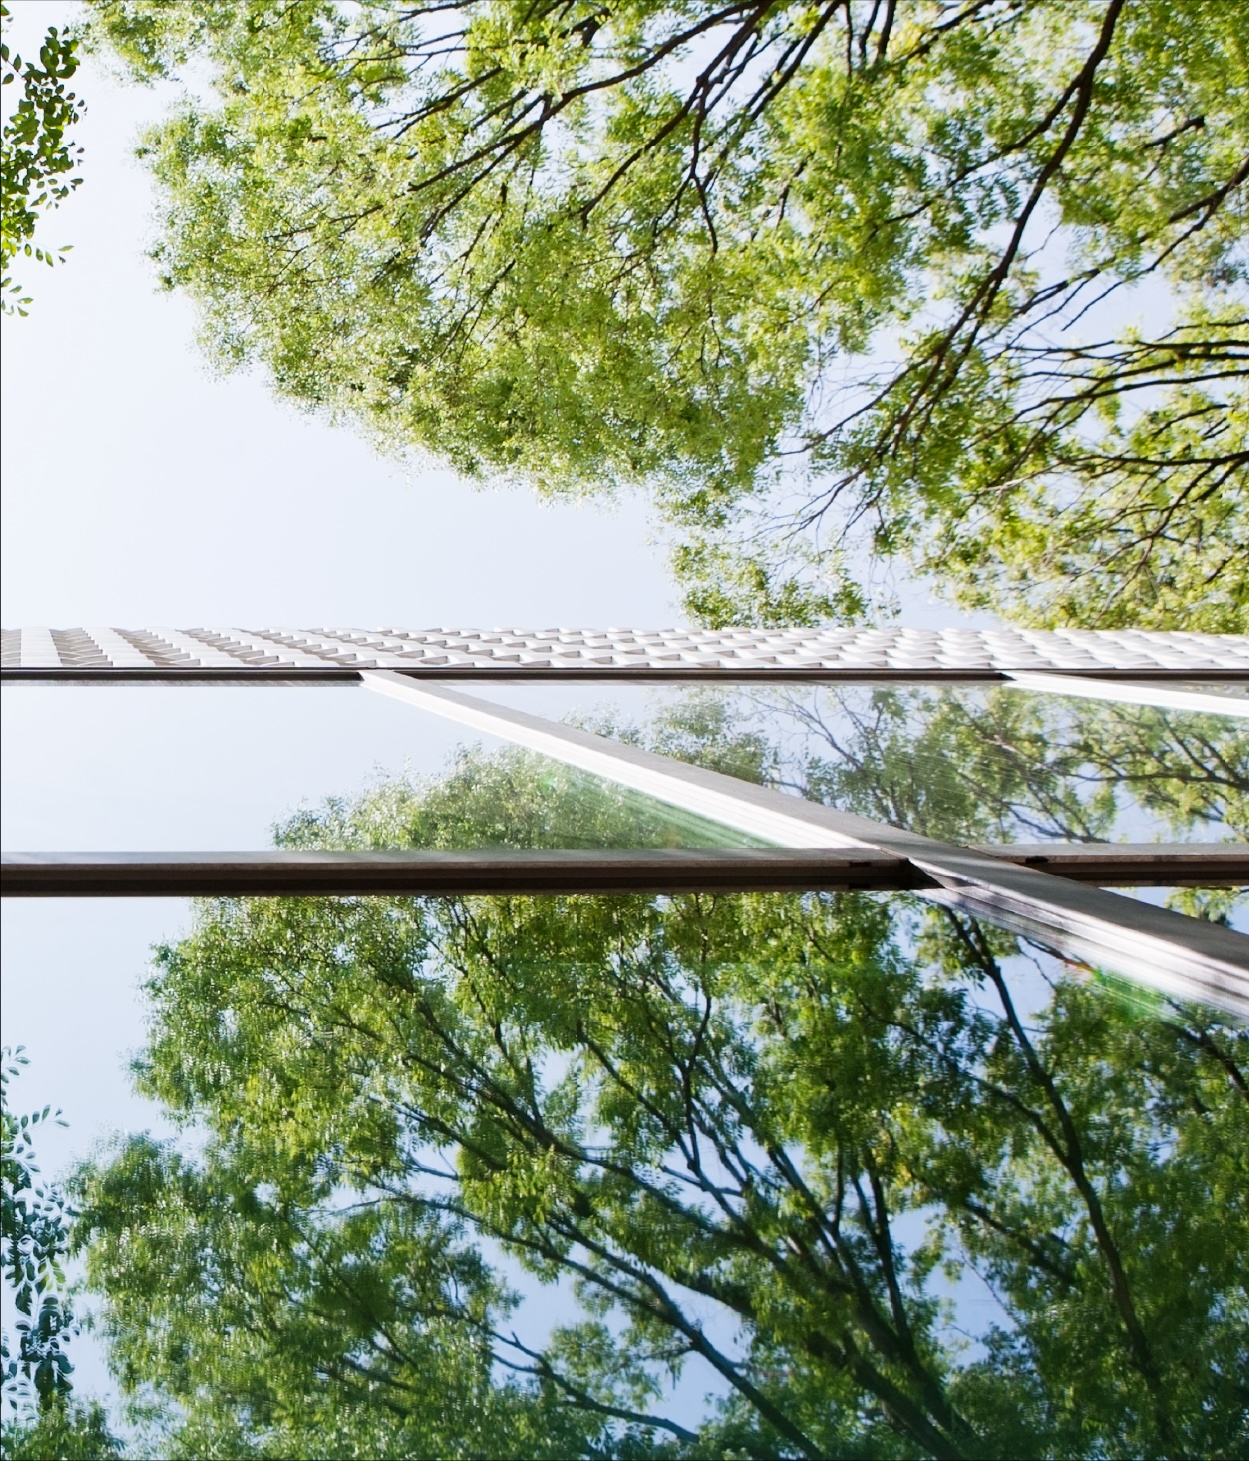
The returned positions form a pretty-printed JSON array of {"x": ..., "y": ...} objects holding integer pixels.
[
  {"x": 132, "y": 768},
  {"x": 192, "y": 768},
  {"x": 967, "y": 763},
  {"x": 836, "y": 1175},
  {"x": 760, "y": 1175},
  {"x": 1229, "y": 905}
]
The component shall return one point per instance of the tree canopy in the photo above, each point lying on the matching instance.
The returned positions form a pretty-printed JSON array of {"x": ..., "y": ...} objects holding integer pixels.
[
  {"x": 874, "y": 1177},
  {"x": 959, "y": 282},
  {"x": 37, "y": 156}
]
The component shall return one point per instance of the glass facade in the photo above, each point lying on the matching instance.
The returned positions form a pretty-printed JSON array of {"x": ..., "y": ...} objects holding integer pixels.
[
  {"x": 753, "y": 1132},
  {"x": 948, "y": 1162},
  {"x": 209, "y": 767},
  {"x": 966, "y": 763}
]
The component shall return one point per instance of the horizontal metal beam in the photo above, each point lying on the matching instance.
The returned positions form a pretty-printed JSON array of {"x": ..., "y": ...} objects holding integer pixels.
[
  {"x": 645, "y": 675},
  {"x": 1132, "y": 864},
  {"x": 261, "y": 675},
  {"x": 574, "y": 870},
  {"x": 1186, "y": 957},
  {"x": 279, "y": 874}
]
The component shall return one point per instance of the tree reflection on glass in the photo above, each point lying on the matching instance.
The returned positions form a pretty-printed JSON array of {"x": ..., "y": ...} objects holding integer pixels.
[
  {"x": 881, "y": 1182},
  {"x": 985, "y": 764}
]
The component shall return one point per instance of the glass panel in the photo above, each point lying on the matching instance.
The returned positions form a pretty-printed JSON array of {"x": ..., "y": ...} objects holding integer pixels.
[
  {"x": 1224, "y": 905},
  {"x": 825, "y": 1174},
  {"x": 192, "y": 768},
  {"x": 1236, "y": 690},
  {"x": 965, "y": 763}
]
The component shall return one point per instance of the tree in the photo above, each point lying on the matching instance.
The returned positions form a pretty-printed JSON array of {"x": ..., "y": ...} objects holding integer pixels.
[
  {"x": 68, "y": 1429},
  {"x": 960, "y": 281},
  {"x": 34, "y": 1239},
  {"x": 38, "y": 156},
  {"x": 789, "y": 1138},
  {"x": 42, "y": 1418}
]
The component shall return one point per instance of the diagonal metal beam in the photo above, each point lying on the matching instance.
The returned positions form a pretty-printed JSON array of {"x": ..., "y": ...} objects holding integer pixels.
[
  {"x": 1165, "y": 697},
  {"x": 1183, "y": 956}
]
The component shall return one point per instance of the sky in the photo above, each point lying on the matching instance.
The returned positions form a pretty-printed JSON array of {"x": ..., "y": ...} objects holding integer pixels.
[{"x": 139, "y": 489}]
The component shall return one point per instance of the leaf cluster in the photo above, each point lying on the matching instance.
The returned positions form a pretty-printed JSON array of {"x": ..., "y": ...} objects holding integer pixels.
[
  {"x": 38, "y": 159},
  {"x": 67, "y": 1429},
  {"x": 34, "y": 1240}
]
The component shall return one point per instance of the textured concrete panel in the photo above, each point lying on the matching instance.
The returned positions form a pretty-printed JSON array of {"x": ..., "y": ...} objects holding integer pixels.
[{"x": 942, "y": 651}]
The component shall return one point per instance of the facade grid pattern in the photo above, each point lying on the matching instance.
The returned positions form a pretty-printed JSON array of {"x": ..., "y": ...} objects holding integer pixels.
[{"x": 945, "y": 651}]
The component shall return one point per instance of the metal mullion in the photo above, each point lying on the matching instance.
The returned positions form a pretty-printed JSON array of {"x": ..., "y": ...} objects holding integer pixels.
[
  {"x": 1181, "y": 955},
  {"x": 1132, "y": 864}
]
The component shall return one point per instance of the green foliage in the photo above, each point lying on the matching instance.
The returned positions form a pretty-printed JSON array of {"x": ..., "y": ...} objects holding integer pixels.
[
  {"x": 67, "y": 1430},
  {"x": 34, "y": 1238},
  {"x": 962, "y": 284},
  {"x": 795, "y": 1142},
  {"x": 42, "y": 1419},
  {"x": 520, "y": 801},
  {"x": 38, "y": 156}
]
